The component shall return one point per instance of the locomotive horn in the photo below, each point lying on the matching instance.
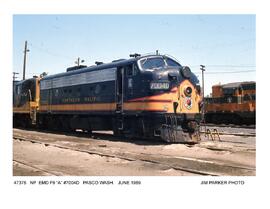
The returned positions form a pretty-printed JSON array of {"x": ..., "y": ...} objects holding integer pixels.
[{"x": 134, "y": 55}]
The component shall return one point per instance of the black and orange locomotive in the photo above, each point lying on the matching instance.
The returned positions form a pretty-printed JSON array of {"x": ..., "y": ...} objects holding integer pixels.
[
  {"x": 232, "y": 103},
  {"x": 149, "y": 96}
]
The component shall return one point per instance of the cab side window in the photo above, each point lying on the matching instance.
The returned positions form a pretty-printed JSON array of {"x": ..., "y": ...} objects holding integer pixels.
[
  {"x": 172, "y": 63},
  {"x": 135, "y": 69},
  {"x": 18, "y": 89},
  {"x": 131, "y": 70}
]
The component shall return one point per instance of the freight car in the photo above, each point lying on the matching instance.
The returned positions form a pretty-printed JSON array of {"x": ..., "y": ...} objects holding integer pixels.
[
  {"x": 149, "y": 96},
  {"x": 232, "y": 103}
]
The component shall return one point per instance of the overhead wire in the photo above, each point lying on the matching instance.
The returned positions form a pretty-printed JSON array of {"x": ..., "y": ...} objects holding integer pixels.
[
  {"x": 49, "y": 52},
  {"x": 192, "y": 66},
  {"x": 222, "y": 66}
]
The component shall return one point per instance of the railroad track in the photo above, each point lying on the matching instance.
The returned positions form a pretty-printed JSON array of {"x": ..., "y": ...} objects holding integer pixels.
[
  {"x": 233, "y": 134},
  {"x": 35, "y": 168},
  {"x": 228, "y": 130},
  {"x": 191, "y": 165},
  {"x": 229, "y": 125}
]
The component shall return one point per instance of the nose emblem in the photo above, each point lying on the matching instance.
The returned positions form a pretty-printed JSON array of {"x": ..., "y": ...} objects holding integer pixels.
[{"x": 188, "y": 103}]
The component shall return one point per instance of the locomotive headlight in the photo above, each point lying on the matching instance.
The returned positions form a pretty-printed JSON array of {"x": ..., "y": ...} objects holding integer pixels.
[
  {"x": 188, "y": 91},
  {"x": 160, "y": 85}
]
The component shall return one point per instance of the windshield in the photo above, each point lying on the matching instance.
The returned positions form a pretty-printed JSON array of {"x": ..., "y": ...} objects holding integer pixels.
[
  {"x": 158, "y": 62},
  {"x": 151, "y": 63},
  {"x": 172, "y": 63}
]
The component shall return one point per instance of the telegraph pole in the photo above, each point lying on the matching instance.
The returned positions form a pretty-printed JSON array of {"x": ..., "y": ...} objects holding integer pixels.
[
  {"x": 202, "y": 69},
  {"x": 203, "y": 106},
  {"x": 24, "y": 59},
  {"x": 14, "y": 76}
]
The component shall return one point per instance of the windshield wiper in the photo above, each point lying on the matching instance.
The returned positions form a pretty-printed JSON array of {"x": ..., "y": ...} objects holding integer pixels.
[{"x": 144, "y": 61}]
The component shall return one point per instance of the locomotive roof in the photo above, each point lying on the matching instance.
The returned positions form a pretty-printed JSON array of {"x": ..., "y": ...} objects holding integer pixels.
[
  {"x": 236, "y": 84},
  {"x": 91, "y": 68},
  {"x": 112, "y": 64},
  {"x": 23, "y": 81}
]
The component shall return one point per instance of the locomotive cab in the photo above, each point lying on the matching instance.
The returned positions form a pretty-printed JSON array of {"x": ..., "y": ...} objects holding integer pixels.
[
  {"x": 25, "y": 101},
  {"x": 24, "y": 92},
  {"x": 166, "y": 95}
]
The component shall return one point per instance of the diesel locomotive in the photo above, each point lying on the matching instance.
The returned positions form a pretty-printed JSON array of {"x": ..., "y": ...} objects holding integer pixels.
[
  {"x": 232, "y": 103},
  {"x": 151, "y": 96},
  {"x": 25, "y": 102}
]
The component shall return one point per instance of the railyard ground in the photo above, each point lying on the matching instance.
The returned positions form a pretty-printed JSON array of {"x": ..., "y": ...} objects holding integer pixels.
[{"x": 50, "y": 154}]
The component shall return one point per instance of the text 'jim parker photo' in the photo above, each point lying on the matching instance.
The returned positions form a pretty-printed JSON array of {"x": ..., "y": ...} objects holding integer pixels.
[{"x": 134, "y": 95}]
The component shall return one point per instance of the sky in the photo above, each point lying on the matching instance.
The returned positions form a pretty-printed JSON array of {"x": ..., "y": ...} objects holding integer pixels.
[{"x": 225, "y": 44}]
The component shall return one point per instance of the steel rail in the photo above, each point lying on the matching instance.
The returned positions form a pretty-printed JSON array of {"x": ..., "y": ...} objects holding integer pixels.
[
  {"x": 36, "y": 168},
  {"x": 177, "y": 163}
]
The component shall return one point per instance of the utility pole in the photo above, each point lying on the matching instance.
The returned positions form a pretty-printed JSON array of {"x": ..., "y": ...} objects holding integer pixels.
[
  {"x": 24, "y": 59},
  {"x": 78, "y": 61},
  {"x": 202, "y": 69},
  {"x": 14, "y": 76},
  {"x": 203, "y": 110}
]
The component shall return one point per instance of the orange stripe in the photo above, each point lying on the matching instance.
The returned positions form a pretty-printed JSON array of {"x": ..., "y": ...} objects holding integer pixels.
[
  {"x": 157, "y": 97},
  {"x": 152, "y": 100},
  {"x": 20, "y": 111},
  {"x": 79, "y": 107},
  {"x": 132, "y": 106},
  {"x": 147, "y": 106},
  {"x": 23, "y": 109}
]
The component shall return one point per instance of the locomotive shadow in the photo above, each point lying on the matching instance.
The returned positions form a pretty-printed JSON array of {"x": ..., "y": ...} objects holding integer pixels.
[
  {"x": 133, "y": 140},
  {"x": 103, "y": 136}
]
